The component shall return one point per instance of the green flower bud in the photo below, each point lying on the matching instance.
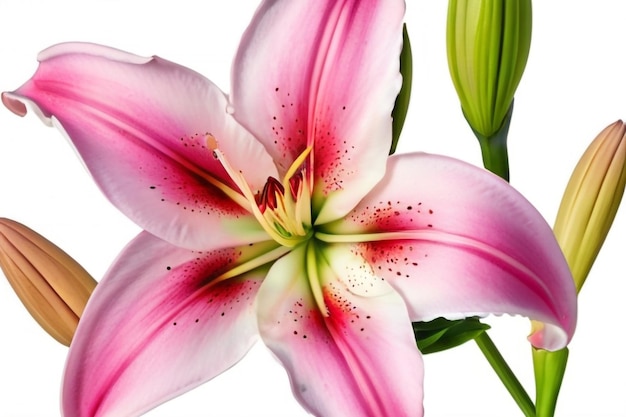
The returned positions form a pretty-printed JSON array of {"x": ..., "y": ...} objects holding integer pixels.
[
  {"x": 591, "y": 200},
  {"x": 488, "y": 43},
  {"x": 53, "y": 287}
]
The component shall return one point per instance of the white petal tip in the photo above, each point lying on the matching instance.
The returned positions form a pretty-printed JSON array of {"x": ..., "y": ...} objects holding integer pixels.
[{"x": 86, "y": 48}]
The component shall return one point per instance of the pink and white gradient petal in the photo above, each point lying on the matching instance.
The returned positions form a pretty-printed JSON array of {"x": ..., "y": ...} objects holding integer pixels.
[
  {"x": 456, "y": 240},
  {"x": 158, "y": 303},
  {"x": 141, "y": 127},
  {"x": 339, "y": 360},
  {"x": 331, "y": 84}
]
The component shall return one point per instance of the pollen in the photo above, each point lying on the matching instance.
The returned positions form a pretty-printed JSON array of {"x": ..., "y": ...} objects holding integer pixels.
[{"x": 211, "y": 142}]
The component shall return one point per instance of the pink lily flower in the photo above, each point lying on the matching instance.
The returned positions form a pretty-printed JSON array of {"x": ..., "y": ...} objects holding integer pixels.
[{"x": 275, "y": 213}]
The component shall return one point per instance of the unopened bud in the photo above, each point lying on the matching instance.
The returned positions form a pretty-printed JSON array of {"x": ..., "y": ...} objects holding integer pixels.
[
  {"x": 488, "y": 42},
  {"x": 53, "y": 286},
  {"x": 591, "y": 200}
]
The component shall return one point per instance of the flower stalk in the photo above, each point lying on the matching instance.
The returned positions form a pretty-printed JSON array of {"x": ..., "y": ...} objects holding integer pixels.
[
  {"x": 549, "y": 372},
  {"x": 494, "y": 148},
  {"x": 506, "y": 375}
]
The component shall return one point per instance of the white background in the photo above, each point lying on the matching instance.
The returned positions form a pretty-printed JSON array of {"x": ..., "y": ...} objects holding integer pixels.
[{"x": 573, "y": 87}]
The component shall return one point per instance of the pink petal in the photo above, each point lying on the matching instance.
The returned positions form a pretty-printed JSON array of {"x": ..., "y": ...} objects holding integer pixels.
[
  {"x": 331, "y": 83},
  {"x": 156, "y": 327},
  {"x": 141, "y": 125},
  {"x": 359, "y": 360},
  {"x": 459, "y": 241}
]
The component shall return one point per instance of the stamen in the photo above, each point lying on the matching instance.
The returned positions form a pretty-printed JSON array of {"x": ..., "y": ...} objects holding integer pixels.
[
  {"x": 314, "y": 279},
  {"x": 273, "y": 191},
  {"x": 296, "y": 164},
  {"x": 211, "y": 142},
  {"x": 295, "y": 183},
  {"x": 232, "y": 194},
  {"x": 251, "y": 264},
  {"x": 301, "y": 198},
  {"x": 286, "y": 217},
  {"x": 300, "y": 192},
  {"x": 240, "y": 181}
]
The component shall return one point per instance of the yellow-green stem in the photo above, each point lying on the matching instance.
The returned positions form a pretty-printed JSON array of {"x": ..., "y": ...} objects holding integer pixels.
[{"x": 549, "y": 371}]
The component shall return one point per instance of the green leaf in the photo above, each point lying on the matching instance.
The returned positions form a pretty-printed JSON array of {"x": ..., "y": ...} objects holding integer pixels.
[
  {"x": 401, "y": 106},
  {"x": 442, "y": 334}
]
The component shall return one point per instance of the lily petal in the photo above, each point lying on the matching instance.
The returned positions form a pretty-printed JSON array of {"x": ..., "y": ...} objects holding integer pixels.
[
  {"x": 456, "y": 240},
  {"x": 159, "y": 301},
  {"x": 330, "y": 84},
  {"x": 141, "y": 126},
  {"x": 338, "y": 360}
]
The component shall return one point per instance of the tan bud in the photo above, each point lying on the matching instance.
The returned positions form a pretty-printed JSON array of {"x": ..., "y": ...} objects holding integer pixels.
[
  {"x": 53, "y": 286},
  {"x": 591, "y": 200}
]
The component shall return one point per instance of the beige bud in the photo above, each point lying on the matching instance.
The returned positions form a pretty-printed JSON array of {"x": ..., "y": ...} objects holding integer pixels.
[
  {"x": 591, "y": 200},
  {"x": 53, "y": 286}
]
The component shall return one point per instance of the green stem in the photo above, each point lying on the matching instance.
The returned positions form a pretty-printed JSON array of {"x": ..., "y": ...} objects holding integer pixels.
[
  {"x": 494, "y": 148},
  {"x": 549, "y": 372},
  {"x": 506, "y": 375}
]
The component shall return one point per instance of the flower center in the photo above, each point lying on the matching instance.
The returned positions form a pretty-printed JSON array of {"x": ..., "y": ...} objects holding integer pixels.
[{"x": 282, "y": 208}]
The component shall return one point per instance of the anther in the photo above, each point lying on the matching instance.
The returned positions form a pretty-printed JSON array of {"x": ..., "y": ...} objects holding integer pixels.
[
  {"x": 295, "y": 182},
  {"x": 273, "y": 191},
  {"x": 211, "y": 142}
]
